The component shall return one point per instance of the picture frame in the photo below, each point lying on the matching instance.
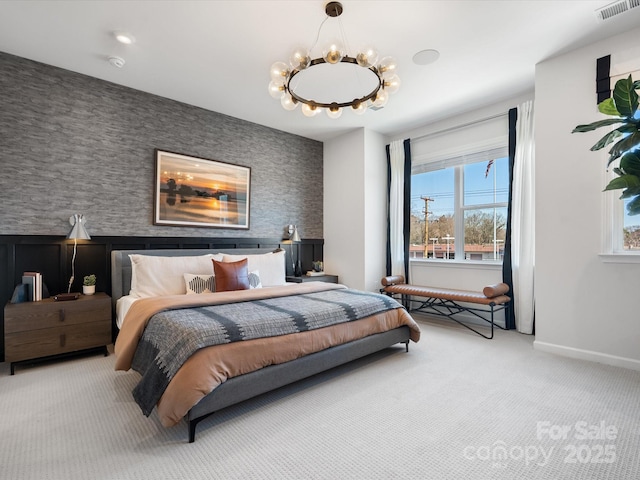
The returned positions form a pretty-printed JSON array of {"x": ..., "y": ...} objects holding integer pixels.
[{"x": 197, "y": 192}]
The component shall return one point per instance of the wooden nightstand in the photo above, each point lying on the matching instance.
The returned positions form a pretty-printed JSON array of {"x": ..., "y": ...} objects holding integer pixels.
[
  {"x": 314, "y": 278},
  {"x": 48, "y": 328}
]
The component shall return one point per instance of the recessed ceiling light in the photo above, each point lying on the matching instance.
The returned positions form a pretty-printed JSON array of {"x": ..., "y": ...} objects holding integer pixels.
[
  {"x": 425, "y": 57},
  {"x": 124, "y": 37}
]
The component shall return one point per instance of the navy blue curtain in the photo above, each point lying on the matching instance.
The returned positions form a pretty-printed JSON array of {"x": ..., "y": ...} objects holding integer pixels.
[
  {"x": 406, "y": 227},
  {"x": 507, "y": 275}
]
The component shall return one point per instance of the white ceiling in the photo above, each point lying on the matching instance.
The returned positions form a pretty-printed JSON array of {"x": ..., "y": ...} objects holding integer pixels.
[{"x": 217, "y": 54}]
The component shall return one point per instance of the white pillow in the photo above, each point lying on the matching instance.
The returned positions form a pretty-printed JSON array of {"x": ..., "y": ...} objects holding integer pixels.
[
  {"x": 270, "y": 265},
  {"x": 153, "y": 276},
  {"x": 206, "y": 283}
]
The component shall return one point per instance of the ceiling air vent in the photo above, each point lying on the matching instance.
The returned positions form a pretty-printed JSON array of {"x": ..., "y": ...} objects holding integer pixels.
[{"x": 616, "y": 8}]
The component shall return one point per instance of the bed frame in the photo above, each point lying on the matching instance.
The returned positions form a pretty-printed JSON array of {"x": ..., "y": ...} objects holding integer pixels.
[{"x": 249, "y": 385}]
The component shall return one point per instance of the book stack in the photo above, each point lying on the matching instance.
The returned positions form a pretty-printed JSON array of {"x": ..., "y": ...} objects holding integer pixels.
[{"x": 33, "y": 280}]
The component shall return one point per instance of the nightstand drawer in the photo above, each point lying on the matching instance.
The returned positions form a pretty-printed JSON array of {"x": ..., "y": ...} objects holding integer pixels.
[
  {"x": 32, "y": 316},
  {"x": 53, "y": 341}
]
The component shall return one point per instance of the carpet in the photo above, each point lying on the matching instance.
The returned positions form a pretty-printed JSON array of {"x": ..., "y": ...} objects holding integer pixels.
[{"x": 456, "y": 406}]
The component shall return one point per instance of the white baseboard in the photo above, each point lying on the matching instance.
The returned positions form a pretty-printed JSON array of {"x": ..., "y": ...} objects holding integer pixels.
[{"x": 587, "y": 355}]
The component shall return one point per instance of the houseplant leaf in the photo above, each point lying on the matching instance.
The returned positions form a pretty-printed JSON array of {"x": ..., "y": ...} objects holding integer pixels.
[
  {"x": 600, "y": 123},
  {"x": 630, "y": 192},
  {"x": 633, "y": 208},
  {"x": 608, "y": 107},
  {"x": 623, "y": 181},
  {"x": 630, "y": 163},
  {"x": 606, "y": 140},
  {"x": 624, "y": 145},
  {"x": 625, "y": 97}
]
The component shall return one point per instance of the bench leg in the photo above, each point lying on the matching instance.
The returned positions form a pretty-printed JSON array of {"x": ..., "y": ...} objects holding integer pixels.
[{"x": 449, "y": 308}]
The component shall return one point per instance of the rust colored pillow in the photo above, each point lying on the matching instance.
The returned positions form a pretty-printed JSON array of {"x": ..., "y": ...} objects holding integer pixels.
[{"x": 231, "y": 275}]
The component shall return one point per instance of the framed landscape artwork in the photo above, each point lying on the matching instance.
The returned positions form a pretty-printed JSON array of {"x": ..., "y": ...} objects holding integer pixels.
[{"x": 196, "y": 192}]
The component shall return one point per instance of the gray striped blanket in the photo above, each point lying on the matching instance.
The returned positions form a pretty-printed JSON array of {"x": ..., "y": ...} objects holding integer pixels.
[{"x": 171, "y": 337}]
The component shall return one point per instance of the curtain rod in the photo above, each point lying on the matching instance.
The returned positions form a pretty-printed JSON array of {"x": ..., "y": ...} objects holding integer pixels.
[{"x": 457, "y": 127}]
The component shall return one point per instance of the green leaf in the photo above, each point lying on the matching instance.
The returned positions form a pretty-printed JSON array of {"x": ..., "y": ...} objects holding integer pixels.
[
  {"x": 633, "y": 207},
  {"x": 627, "y": 143},
  {"x": 630, "y": 192},
  {"x": 629, "y": 126},
  {"x": 608, "y": 107},
  {"x": 625, "y": 97},
  {"x": 624, "y": 181},
  {"x": 606, "y": 140},
  {"x": 613, "y": 156},
  {"x": 630, "y": 163},
  {"x": 600, "y": 123}
]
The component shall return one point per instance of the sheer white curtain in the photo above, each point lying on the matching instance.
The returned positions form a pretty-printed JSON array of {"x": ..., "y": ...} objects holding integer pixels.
[
  {"x": 523, "y": 220},
  {"x": 396, "y": 207}
]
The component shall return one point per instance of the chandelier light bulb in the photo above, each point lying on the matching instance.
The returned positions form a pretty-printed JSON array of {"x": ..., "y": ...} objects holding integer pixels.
[
  {"x": 359, "y": 108},
  {"x": 387, "y": 67},
  {"x": 334, "y": 112},
  {"x": 333, "y": 53},
  {"x": 275, "y": 90},
  {"x": 310, "y": 110},
  {"x": 367, "y": 57},
  {"x": 392, "y": 84},
  {"x": 382, "y": 97},
  {"x": 288, "y": 103},
  {"x": 279, "y": 72},
  {"x": 300, "y": 59}
]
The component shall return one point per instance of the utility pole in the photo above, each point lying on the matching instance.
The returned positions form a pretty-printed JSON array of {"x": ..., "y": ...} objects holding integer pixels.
[{"x": 426, "y": 224}]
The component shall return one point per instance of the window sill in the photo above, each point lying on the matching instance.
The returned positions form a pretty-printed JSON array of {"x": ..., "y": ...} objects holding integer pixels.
[
  {"x": 468, "y": 264},
  {"x": 620, "y": 257}
]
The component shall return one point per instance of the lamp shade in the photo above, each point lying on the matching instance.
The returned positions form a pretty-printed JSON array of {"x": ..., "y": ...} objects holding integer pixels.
[
  {"x": 295, "y": 236},
  {"x": 78, "y": 232}
]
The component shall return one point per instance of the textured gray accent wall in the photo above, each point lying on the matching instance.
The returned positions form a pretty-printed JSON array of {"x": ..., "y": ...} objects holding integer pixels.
[{"x": 70, "y": 143}]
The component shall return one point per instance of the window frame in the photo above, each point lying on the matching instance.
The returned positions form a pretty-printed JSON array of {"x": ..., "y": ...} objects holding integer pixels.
[
  {"x": 613, "y": 226},
  {"x": 613, "y": 209},
  {"x": 457, "y": 163}
]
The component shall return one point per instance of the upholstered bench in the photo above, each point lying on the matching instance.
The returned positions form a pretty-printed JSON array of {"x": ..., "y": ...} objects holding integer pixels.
[{"x": 448, "y": 302}]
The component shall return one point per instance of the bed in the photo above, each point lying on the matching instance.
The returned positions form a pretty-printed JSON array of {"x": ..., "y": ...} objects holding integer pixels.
[{"x": 236, "y": 343}]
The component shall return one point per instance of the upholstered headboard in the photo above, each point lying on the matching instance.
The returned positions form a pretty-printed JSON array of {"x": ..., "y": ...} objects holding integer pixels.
[{"x": 121, "y": 263}]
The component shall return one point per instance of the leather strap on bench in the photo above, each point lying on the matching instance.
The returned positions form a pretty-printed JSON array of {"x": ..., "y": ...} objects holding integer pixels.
[{"x": 395, "y": 284}]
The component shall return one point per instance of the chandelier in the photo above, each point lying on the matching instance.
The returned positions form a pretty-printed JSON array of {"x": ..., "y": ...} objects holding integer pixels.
[{"x": 379, "y": 80}]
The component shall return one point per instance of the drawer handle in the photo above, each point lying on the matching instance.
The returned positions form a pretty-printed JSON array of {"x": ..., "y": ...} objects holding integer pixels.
[
  {"x": 62, "y": 314},
  {"x": 63, "y": 339}
]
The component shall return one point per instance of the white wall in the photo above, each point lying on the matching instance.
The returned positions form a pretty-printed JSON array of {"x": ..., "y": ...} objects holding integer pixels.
[
  {"x": 355, "y": 179},
  {"x": 375, "y": 201},
  {"x": 584, "y": 308}
]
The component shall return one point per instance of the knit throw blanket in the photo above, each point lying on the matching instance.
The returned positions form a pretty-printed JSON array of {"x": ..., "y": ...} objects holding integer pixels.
[{"x": 171, "y": 337}]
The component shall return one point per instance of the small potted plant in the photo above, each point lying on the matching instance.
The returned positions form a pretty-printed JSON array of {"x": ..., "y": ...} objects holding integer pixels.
[{"x": 89, "y": 285}]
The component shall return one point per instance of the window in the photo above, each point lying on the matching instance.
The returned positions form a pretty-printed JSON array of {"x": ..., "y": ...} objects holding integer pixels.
[
  {"x": 630, "y": 225},
  {"x": 459, "y": 207},
  {"x": 623, "y": 232},
  {"x": 630, "y": 231}
]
